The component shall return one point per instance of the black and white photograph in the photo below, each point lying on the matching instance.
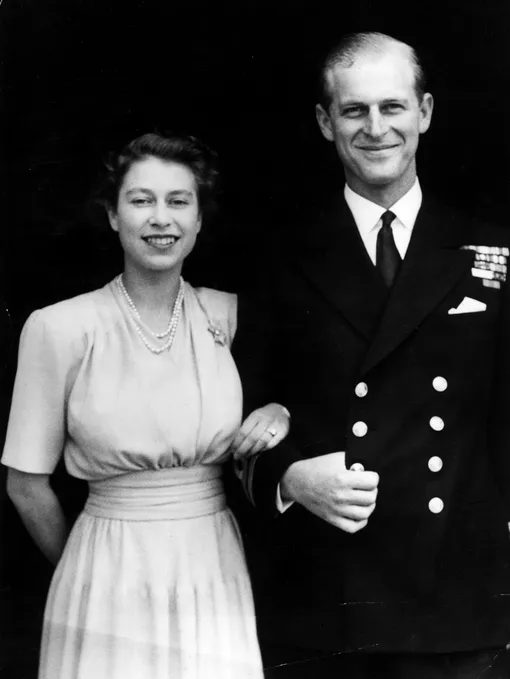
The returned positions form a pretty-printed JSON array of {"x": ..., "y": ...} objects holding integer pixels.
[{"x": 255, "y": 340}]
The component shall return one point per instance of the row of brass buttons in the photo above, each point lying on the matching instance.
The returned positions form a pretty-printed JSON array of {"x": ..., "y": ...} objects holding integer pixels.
[{"x": 435, "y": 463}]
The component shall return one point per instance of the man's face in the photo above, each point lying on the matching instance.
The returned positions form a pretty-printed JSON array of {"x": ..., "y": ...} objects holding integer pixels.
[{"x": 375, "y": 120}]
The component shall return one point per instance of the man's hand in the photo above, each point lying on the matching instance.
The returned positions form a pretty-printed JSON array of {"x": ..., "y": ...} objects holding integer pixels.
[{"x": 325, "y": 487}]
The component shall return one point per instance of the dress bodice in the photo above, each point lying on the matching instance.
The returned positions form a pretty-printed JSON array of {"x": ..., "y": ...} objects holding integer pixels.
[{"x": 88, "y": 386}]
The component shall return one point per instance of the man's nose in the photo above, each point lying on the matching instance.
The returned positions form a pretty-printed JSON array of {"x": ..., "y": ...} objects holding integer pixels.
[{"x": 375, "y": 124}]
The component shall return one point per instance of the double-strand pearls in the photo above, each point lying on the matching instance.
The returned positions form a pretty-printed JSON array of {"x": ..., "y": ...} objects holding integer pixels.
[{"x": 172, "y": 324}]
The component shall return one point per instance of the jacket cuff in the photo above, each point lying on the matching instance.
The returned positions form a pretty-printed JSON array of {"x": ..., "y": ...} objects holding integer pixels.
[{"x": 267, "y": 473}]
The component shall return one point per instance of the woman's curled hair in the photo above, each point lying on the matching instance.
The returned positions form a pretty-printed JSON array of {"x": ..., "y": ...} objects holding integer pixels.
[{"x": 174, "y": 148}]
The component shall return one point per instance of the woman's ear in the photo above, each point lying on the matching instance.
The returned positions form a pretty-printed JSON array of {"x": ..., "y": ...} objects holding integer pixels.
[{"x": 112, "y": 218}]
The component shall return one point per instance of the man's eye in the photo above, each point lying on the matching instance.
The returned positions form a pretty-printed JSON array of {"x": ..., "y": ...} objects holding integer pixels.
[
  {"x": 353, "y": 112},
  {"x": 179, "y": 202},
  {"x": 393, "y": 108},
  {"x": 140, "y": 201}
]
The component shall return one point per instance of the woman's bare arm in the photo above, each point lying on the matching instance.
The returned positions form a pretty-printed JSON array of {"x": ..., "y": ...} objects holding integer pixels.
[{"x": 40, "y": 511}]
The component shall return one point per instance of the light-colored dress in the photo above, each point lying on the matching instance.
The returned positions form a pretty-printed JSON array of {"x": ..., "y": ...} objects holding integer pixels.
[{"x": 153, "y": 582}]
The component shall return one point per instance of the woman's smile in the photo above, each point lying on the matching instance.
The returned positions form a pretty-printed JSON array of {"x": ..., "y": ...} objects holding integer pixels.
[{"x": 163, "y": 242}]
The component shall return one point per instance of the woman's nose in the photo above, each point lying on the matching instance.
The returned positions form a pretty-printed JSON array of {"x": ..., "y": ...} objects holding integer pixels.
[{"x": 161, "y": 215}]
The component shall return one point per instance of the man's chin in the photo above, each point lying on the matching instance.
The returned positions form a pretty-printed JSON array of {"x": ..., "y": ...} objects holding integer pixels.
[
  {"x": 382, "y": 175},
  {"x": 380, "y": 180}
]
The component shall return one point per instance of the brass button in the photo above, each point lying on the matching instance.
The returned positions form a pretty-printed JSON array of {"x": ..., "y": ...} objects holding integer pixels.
[
  {"x": 436, "y": 423},
  {"x": 361, "y": 389},
  {"x": 436, "y": 505},
  {"x": 359, "y": 429},
  {"x": 435, "y": 464},
  {"x": 440, "y": 383}
]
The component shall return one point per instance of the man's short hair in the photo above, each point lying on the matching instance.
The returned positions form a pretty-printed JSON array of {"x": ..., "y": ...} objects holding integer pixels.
[{"x": 344, "y": 54}]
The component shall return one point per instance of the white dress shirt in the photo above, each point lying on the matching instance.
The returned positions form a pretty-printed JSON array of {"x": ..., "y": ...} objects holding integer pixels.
[{"x": 367, "y": 216}]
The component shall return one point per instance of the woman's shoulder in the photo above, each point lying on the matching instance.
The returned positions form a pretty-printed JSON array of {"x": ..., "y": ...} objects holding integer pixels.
[
  {"x": 217, "y": 297},
  {"x": 221, "y": 308},
  {"x": 71, "y": 317}
]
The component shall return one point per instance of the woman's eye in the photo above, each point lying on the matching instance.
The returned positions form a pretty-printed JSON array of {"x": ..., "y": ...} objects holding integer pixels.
[
  {"x": 140, "y": 201},
  {"x": 178, "y": 202}
]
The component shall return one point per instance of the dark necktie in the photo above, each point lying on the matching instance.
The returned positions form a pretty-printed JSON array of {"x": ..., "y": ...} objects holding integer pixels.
[{"x": 388, "y": 259}]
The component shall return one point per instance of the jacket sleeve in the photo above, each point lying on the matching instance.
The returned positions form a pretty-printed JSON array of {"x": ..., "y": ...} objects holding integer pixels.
[
  {"x": 258, "y": 350},
  {"x": 499, "y": 421}
]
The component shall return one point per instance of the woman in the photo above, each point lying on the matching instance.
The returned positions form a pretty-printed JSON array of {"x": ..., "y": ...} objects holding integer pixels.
[{"x": 135, "y": 385}]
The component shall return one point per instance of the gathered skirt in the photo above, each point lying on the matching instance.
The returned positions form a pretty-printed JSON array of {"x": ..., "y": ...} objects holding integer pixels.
[{"x": 152, "y": 584}]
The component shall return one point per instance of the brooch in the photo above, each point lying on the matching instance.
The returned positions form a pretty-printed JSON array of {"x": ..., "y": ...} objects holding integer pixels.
[
  {"x": 490, "y": 264},
  {"x": 219, "y": 336}
]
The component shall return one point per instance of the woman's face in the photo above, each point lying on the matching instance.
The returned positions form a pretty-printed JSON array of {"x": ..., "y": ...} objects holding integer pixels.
[{"x": 157, "y": 216}]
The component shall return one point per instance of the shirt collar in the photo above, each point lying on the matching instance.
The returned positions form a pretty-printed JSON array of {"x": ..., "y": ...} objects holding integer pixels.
[{"x": 367, "y": 214}]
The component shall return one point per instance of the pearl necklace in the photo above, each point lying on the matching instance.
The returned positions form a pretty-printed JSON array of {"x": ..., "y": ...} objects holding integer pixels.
[{"x": 172, "y": 325}]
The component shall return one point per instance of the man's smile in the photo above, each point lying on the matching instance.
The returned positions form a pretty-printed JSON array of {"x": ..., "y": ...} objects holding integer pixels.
[{"x": 371, "y": 148}]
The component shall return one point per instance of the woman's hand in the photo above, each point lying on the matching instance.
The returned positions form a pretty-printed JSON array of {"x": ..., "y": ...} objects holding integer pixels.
[{"x": 263, "y": 429}]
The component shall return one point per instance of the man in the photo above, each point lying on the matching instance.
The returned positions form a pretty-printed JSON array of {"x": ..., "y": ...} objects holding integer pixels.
[{"x": 389, "y": 344}]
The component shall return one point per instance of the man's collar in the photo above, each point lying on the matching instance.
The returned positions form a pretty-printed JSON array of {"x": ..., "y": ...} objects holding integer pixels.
[{"x": 366, "y": 214}]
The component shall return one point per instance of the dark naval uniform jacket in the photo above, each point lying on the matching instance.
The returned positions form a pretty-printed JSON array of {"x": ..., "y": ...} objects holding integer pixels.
[{"x": 415, "y": 385}]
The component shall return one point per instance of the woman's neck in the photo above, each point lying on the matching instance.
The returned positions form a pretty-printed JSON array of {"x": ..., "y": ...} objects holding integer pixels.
[{"x": 153, "y": 292}]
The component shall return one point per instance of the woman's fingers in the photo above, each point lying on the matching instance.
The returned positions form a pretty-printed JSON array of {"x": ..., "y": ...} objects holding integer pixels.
[
  {"x": 244, "y": 431},
  {"x": 253, "y": 441},
  {"x": 262, "y": 436},
  {"x": 263, "y": 429},
  {"x": 276, "y": 438}
]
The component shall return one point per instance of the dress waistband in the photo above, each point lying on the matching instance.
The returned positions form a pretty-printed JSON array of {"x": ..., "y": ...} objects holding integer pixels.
[{"x": 158, "y": 495}]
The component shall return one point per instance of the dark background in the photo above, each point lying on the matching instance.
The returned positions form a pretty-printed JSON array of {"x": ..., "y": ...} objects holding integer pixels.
[{"x": 80, "y": 77}]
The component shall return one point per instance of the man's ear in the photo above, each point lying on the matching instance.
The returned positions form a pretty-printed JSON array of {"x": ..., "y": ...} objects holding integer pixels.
[
  {"x": 426, "y": 107},
  {"x": 112, "y": 218},
  {"x": 324, "y": 122}
]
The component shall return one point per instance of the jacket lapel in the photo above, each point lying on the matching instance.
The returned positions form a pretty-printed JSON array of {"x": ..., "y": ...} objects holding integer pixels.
[
  {"x": 340, "y": 268},
  {"x": 432, "y": 267}
]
